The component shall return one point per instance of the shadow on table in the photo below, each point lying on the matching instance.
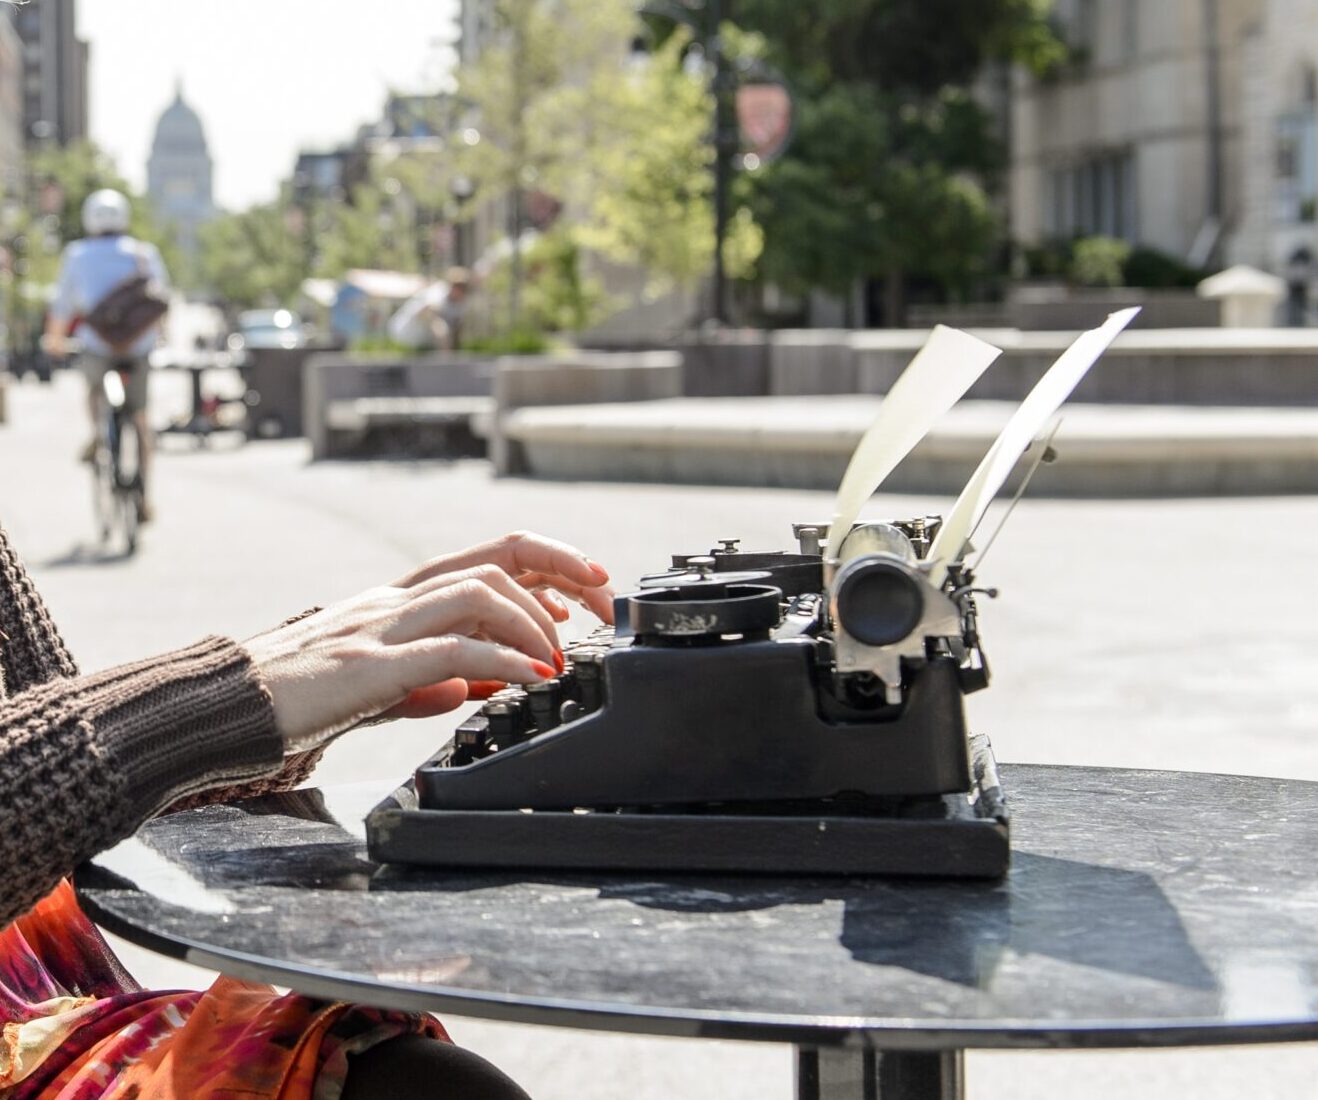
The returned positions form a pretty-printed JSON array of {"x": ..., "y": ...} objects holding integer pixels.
[{"x": 1082, "y": 914}]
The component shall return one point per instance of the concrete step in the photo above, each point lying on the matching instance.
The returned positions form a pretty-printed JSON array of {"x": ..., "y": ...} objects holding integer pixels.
[{"x": 805, "y": 442}]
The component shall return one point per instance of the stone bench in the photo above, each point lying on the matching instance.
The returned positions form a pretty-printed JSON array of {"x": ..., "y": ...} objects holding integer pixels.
[
  {"x": 805, "y": 442},
  {"x": 412, "y": 426},
  {"x": 574, "y": 378},
  {"x": 358, "y": 406}
]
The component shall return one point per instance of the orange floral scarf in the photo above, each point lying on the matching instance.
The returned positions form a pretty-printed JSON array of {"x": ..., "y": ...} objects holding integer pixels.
[{"x": 77, "y": 1027}]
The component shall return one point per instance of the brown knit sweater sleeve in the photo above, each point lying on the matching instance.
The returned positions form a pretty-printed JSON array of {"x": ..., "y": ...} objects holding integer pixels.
[
  {"x": 87, "y": 759},
  {"x": 31, "y": 649}
]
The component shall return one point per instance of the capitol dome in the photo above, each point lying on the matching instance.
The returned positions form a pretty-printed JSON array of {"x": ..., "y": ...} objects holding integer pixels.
[
  {"x": 179, "y": 173},
  {"x": 179, "y": 129}
]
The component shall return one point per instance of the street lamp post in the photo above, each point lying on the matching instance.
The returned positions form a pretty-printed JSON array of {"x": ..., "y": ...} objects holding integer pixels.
[
  {"x": 461, "y": 188},
  {"x": 725, "y": 137},
  {"x": 726, "y": 140}
]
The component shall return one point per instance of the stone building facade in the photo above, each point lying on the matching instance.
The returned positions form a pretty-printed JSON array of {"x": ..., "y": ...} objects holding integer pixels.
[
  {"x": 54, "y": 72},
  {"x": 11, "y": 109},
  {"x": 1187, "y": 125}
]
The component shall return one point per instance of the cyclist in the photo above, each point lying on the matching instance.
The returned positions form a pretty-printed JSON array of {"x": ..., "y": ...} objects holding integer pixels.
[{"x": 89, "y": 270}]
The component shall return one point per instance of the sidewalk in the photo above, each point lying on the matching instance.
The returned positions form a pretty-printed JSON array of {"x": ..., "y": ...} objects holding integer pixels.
[{"x": 1163, "y": 634}]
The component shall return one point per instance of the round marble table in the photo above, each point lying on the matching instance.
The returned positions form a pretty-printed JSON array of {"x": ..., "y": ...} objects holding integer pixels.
[{"x": 1142, "y": 909}]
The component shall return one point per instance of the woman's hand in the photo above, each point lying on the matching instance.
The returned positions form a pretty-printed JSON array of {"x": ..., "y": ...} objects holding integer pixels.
[
  {"x": 538, "y": 564},
  {"x": 408, "y": 649}
]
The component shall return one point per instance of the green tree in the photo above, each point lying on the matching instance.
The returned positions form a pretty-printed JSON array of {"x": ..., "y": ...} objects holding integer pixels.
[
  {"x": 71, "y": 173},
  {"x": 654, "y": 205},
  {"x": 893, "y": 160},
  {"x": 368, "y": 232},
  {"x": 540, "y": 96},
  {"x": 253, "y": 258},
  {"x": 559, "y": 295}
]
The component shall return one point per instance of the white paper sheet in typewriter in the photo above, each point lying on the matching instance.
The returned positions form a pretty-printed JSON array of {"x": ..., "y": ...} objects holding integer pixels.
[{"x": 939, "y": 375}]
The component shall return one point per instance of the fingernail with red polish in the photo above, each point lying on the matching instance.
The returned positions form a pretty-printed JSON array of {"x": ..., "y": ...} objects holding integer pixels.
[
  {"x": 544, "y": 671},
  {"x": 483, "y": 689},
  {"x": 558, "y": 660},
  {"x": 597, "y": 569}
]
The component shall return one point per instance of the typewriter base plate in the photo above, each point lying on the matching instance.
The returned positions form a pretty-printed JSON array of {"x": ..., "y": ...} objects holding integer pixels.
[{"x": 962, "y": 835}]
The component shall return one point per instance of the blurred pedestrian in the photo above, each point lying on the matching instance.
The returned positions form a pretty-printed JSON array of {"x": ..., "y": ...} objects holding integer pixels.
[
  {"x": 432, "y": 318},
  {"x": 91, "y": 270},
  {"x": 453, "y": 308}
]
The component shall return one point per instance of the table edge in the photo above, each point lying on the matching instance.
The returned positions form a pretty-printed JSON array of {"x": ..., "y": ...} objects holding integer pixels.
[{"x": 864, "y": 1032}]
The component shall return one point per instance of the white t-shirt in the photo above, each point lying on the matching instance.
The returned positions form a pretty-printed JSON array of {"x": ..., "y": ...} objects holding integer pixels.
[{"x": 90, "y": 269}]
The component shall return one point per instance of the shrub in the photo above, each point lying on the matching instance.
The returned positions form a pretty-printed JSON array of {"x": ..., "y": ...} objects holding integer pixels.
[
  {"x": 1099, "y": 261},
  {"x": 1147, "y": 267},
  {"x": 522, "y": 342},
  {"x": 382, "y": 346}
]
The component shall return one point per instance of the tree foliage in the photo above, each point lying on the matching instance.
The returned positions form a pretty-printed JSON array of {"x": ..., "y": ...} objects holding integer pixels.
[
  {"x": 71, "y": 173},
  {"x": 621, "y": 140},
  {"x": 252, "y": 258},
  {"x": 893, "y": 159},
  {"x": 908, "y": 47},
  {"x": 654, "y": 204},
  {"x": 541, "y": 94},
  {"x": 369, "y": 232},
  {"x": 842, "y": 206},
  {"x": 560, "y": 295}
]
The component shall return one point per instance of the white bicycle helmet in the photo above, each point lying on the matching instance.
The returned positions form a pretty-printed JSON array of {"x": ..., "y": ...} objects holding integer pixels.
[{"x": 105, "y": 211}]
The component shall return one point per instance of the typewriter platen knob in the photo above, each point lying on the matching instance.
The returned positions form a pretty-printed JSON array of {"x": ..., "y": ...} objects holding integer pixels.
[{"x": 878, "y": 602}]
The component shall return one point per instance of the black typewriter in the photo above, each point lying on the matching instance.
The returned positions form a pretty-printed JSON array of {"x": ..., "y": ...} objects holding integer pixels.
[
  {"x": 749, "y": 711},
  {"x": 790, "y": 711}
]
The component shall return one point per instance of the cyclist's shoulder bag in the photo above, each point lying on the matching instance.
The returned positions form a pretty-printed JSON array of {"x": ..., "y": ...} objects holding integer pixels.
[{"x": 128, "y": 310}]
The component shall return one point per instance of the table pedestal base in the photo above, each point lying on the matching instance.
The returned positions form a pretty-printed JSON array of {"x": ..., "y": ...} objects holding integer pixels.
[{"x": 831, "y": 1073}]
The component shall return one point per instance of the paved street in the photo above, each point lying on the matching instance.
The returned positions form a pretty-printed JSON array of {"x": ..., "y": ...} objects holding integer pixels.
[{"x": 1163, "y": 634}]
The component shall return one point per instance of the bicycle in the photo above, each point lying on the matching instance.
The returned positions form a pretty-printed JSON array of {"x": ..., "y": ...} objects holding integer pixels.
[{"x": 118, "y": 491}]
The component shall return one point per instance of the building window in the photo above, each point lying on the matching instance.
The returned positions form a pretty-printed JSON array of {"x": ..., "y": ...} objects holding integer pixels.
[
  {"x": 1130, "y": 30},
  {"x": 1296, "y": 166},
  {"x": 1093, "y": 197},
  {"x": 1079, "y": 20},
  {"x": 1086, "y": 23}
]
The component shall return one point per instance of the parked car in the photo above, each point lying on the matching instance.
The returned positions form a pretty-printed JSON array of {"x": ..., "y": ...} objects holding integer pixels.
[{"x": 268, "y": 328}]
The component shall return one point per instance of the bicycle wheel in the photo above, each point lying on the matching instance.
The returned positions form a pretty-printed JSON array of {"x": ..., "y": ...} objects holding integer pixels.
[
  {"x": 127, "y": 479},
  {"x": 105, "y": 492}
]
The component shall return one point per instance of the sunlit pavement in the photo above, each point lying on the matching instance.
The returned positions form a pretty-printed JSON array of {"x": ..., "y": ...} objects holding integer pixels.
[{"x": 1162, "y": 634}]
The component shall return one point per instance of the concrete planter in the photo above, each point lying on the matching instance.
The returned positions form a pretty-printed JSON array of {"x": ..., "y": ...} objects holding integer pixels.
[
  {"x": 575, "y": 378},
  {"x": 353, "y": 405},
  {"x": 1251, "y": 367},
  {"x": 805, "y": 361},
  {"x": 725, "y": 364}
]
